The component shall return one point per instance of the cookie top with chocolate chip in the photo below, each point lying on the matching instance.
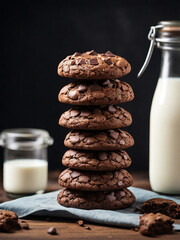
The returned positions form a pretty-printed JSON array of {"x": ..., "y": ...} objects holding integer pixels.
[
  {"x": 8, "y": 221},
  {"x": 95, "y": 118},
  {"x": 110, "y": 140},
  {"x": 92, "y": 65},
  {"x": 96, "y": 160},
  {"x": 95, "y": 181},
  {"x": 96, "y": 200},
  {"x": 90, "y": 92}
]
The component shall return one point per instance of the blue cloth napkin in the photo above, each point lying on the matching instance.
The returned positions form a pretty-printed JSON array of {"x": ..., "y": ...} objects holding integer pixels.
[{"x": 46, "y": 205}]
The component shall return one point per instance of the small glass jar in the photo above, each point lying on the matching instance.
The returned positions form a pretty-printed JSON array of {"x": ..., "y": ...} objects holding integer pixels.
[{"x": 25, "y": 168}]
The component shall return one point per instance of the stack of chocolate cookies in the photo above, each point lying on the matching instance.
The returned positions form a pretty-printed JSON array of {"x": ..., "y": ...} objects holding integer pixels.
[{"x": 96, "y": 175}]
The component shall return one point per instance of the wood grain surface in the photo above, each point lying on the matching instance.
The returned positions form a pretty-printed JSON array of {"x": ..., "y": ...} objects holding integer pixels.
[{"x": 69, "y": 229}]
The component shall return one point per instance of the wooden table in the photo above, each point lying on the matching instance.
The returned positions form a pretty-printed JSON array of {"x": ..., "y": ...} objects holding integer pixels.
[{"x": 68, "y": 228}]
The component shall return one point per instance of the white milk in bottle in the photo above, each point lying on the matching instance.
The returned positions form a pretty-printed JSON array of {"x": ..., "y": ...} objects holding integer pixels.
[
  {"x": 165, "y": 137},
  {"x": 164, "y": 150}
]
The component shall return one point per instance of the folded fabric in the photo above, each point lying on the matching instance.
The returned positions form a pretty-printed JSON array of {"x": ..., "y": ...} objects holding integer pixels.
[{"x": 46, "y": 205}]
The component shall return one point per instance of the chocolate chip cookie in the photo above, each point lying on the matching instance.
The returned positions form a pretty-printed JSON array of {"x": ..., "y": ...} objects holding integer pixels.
[
  {"x": 96, "y": 161},
  {"x": 103, "y": 92},
  {"x": 96, "y": 200},
  {"x": 95, "y": 181},
  {"x": 92, "y": 65},
  {"x": 161, "y": 205},
  {"x": 95, "y": 118},
  {"x": 110, "y": 140},
  {"x": 8, "y": 221},
  {"x": 154, "y": 224}
]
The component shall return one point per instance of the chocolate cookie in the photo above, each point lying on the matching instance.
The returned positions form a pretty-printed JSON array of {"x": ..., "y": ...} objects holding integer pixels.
[
  {"x": 92, "y": 65},
  {"x": 96, "y": 161},
  {"x": 110, "y": 140},
  {"x": 103, "y": 92},
  {"x": 154, "y": 224},
  {"x": 95, "y": 181},
  {"x": 164, "y": 206},
  {"x": 95, "y": 118},
  {"x": 96, "y": 200},
  {"x": 8, "y": 221}
]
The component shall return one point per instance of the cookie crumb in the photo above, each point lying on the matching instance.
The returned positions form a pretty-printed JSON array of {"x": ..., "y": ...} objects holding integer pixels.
[
  {"x": 80, "y": 223},
  {"x": 135, "y": 229},
  {"x": 87, "y": 228},
  {"x": 52, "y": 231},
  {"x": 24, "y": 225}
]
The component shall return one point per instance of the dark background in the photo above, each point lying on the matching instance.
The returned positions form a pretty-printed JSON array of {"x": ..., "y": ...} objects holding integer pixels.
[{"x": 37, "y": 35}]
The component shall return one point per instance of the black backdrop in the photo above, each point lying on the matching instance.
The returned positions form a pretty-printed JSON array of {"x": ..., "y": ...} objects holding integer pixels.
[{"x": 36, "y": 35}]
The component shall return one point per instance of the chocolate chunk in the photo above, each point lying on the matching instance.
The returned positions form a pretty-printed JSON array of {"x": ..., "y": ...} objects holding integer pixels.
[
  {"x": 74, "y": 113},
  {"x": 92, "y": 52},
  {"x": 74, "y": 139},
  {"x": 84, "y": 179},
  {"x": 101, "y": 137},
  {"x": 75, "y": 174},
  {"x": 122, "y": 193},
  {"x": 102, "y": 156},
  {"x": 112, "y": 109},
  {"x": 73, "y": 94},
  {"x": 85, "y": 113},
  {"x": 108, "y": 61},
  {"x": 109, "y": 54},
  {"x": 93, "y": 61},
  {"x": 89, "y": 140},
  {"x": 114, "y": 134},
  {"x": 52, "y": 231},
  {"x": 66, "y": 68},
  {"x": 123, "y": 134},
  {"x": 82, "y": 88},
  {"x": 80, "y": 61},
  {"x": 76, "y": 54},
  {"x": 122, "y": 142},
  {"x": 106, "y": 83},
  {"x": 120, "y": 183},
  {"x": 111, "y": 197}
]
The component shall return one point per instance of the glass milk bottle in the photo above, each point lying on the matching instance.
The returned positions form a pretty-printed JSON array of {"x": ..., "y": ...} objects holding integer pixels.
[
  {"x": 25, "y": 168},
  {"x": 164, "y": 157}
]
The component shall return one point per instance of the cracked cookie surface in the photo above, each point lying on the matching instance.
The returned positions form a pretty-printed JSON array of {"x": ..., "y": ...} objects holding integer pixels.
[
  {"x": 110, "y": 140},
  {"x": 103, "y": 92},
  {"x": 96, "y": 161},
  {"x": 95, "y": 181},
  {"x": 95, "y": 118},
  {"x": 92, "y": 65},
  {"x": 154, "y": 224},
  {"x": 161, "y": 205},
  {"x": 96, "y": 200}
]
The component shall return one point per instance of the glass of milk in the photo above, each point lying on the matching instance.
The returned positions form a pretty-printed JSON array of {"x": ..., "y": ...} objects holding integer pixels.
[
  {"x": 164, "y": 154},
  {"x": 25, "y": 168}
]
